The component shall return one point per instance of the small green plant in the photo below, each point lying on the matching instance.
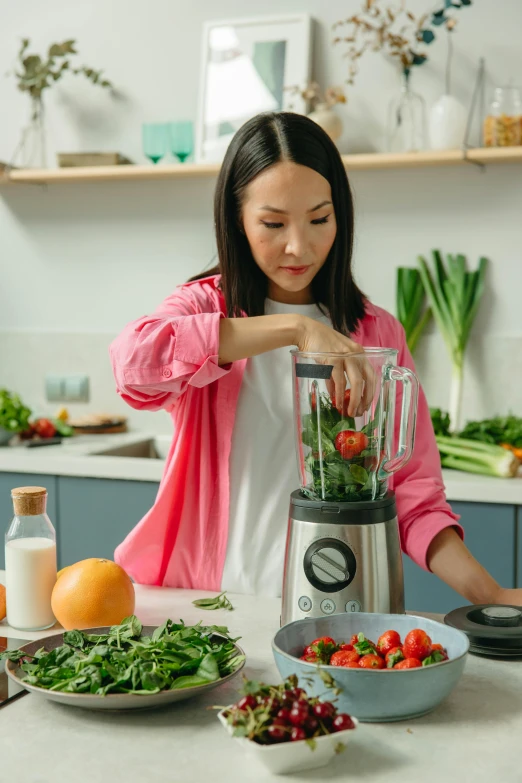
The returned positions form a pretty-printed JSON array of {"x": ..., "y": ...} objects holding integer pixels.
[{"x": 35, "y": 74}]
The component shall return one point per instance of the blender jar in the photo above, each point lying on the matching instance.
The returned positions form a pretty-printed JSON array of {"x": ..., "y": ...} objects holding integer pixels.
[{"x": 342, "y": 458}]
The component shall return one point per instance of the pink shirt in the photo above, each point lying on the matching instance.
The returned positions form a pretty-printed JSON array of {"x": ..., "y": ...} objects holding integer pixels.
[{"x": 170, "y": 360}]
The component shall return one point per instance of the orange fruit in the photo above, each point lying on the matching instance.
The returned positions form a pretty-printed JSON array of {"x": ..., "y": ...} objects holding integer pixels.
[
  {"x": 2, "y": 602},
  {"x": 91, "y": 593}
]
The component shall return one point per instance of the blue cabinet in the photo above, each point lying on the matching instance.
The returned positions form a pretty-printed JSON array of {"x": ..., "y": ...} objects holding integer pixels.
[
  {"x": 490, "y": 535},
  {"x": 97, "y": 514},
  {"x": 9, "y": 481}
]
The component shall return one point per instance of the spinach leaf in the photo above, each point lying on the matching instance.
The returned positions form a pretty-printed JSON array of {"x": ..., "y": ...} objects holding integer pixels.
[{"x": 123, "y": 661}]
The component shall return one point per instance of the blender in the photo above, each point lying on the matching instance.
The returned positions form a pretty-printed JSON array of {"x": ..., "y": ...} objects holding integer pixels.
[{"x": 343, "y": 549}]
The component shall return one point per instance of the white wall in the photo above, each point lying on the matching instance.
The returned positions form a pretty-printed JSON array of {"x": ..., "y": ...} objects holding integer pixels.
[{"x": 78, "y": 261}]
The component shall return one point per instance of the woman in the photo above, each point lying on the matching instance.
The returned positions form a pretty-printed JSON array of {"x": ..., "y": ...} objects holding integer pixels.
[{"x": 284, "y": 228}]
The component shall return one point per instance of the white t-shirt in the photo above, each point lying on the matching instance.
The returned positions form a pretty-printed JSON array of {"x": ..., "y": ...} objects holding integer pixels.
[{"x": 263, "y": 468}]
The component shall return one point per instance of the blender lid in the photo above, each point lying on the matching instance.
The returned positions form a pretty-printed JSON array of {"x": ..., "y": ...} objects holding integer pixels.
[{"x": 491, "y": 629}]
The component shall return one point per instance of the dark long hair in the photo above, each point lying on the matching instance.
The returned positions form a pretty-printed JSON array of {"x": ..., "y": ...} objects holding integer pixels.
[{"x": 261, "y": 142}]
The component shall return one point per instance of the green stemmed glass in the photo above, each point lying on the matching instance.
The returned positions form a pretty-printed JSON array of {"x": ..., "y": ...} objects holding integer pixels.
[
  {"x": 155, "y": 138},
  {"x": 181, "y": 139}
]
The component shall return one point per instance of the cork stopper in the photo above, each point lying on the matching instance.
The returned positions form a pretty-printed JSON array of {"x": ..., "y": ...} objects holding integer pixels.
[{"x": 29, "y": 501}]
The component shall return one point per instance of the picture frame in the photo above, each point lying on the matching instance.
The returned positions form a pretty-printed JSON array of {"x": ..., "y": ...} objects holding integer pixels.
[{"x": 246, "y": 67}]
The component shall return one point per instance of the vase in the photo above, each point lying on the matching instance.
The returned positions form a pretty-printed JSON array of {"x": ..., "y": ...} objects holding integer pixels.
[
  {"x": 407, "y": 120},
  {"x": 447, "y": 124},
  {"x": 31, "y": 152},
  {"x": 328, "y": 120}
]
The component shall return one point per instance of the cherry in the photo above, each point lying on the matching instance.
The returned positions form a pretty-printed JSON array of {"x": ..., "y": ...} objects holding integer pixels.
[
  {"x": 311, "y": 725},
  {"x": 342, "y": 722},
  {"x": 298, "y": 716},
  {"x": 277, "y": 733},
  {"x": 297, "y": 734},
  {"x": 279, "y": 721},
  {"x": 272, "y": 703},
  {"x": 301, "y": 704},
  {"x": 284, "y": 714},
  {"x": 324, "y": 710},
  {"x": 297, "y": 693},
  {"x": 247, "y": 702}
]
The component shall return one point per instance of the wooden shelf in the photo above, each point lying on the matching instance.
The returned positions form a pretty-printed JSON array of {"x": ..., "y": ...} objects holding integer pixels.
[{"x": 365, "y": 162}]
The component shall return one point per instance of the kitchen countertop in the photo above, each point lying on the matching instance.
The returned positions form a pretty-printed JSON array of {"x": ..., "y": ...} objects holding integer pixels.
[
  {"x": 79, "y": 456},
  {"x": 473, "y": 737}
]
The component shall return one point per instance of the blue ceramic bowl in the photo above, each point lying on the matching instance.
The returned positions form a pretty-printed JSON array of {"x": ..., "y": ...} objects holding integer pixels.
[{"x": 374, "y": 695}]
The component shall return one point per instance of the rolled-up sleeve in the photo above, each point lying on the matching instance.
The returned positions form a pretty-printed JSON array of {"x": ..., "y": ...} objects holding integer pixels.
[
  {"x": 422, "y": 508},
  {"x": 156, "y": 357}
]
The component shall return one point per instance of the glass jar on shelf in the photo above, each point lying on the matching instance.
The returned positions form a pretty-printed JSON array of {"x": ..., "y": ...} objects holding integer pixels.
[{"x": 503, "y": 123}]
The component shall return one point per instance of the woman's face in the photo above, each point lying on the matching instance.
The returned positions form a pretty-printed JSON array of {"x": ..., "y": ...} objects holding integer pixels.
[{"x": 289, "y": 221}]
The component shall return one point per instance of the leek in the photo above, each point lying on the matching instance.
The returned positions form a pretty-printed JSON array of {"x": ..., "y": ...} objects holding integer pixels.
[
  {"x": 476, "y": 457},
  {"x": 411, "y": 304},
  {"x": 454, "y": 295}
]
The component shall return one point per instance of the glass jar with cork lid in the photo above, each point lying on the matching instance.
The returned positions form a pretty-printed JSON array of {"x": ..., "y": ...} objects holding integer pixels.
[
  {"x": 30, "y": 561},
  {"x": 503, "y": 124}
]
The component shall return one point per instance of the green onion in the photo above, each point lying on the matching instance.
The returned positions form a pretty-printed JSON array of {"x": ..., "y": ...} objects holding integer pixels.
[
  {"x": 411, "y": 304},
  {"x": 476, "y": 457},
  {"x": 454, "y": 295}
]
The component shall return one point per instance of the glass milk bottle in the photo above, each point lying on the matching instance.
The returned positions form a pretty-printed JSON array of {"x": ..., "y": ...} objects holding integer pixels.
[{"x": 30, "y": 561}]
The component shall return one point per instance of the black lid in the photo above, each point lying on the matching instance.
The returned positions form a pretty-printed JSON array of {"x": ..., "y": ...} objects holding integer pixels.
[{"x": 491, "y": 629}]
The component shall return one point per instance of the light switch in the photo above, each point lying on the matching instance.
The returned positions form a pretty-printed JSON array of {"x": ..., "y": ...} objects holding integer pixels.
[
  {"x": 54, "y": 388},
  {"x": 76, "y": 388}
]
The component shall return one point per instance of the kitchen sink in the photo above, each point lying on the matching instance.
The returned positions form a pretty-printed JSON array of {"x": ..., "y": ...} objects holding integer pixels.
[{"x": 152, "y": 448}]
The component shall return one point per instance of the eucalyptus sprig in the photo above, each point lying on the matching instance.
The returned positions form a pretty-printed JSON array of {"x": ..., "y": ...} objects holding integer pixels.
[
  {"x": 218, "y": 602},
  {"x": 36, "y": 74}
]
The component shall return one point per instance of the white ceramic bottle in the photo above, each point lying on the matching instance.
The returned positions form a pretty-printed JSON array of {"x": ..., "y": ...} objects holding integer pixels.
[{"x": 30, "y": 561}]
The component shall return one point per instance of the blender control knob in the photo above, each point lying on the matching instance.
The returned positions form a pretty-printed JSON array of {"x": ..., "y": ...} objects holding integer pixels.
[{"x": 329, "y": 565}]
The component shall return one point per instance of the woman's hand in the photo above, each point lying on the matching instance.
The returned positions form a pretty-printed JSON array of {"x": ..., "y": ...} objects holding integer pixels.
[
  {"x": 507, "y": 596},
  {"x": 316, "y": 337}
]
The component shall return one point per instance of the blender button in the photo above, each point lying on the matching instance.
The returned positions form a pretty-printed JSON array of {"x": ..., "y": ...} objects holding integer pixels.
[
  {"x": 327, "y": 606},
  {"x": 305, "y": 603},
  {"x": 352, "y": 606}
]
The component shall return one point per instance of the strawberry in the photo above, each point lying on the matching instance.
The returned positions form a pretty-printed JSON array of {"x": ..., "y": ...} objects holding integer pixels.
[
  {"x": 344, "y": 646},
  {"x": 371, "y": 662},
  {"x": 350, "y": 443},
  {"x": 324, "y": 639},
  {"x": 417, "y": 644},
  {"x": 309, "y": 657},
  {"x": 344, "y": 657},
  {"x": 323, "y": 648},
  {"x": 436, "y": 656},
  {"x": 439, "y": 648},
  {"x": 346, "y": 403},
  {"x": 394, "y": 656},
  {"x": 387, "y": 641},
  {"x": 352, "y": 665},
  {"x": 44, "y": 428},
  {"x": 364, "y": 646},
  {"x": 408, "y": 663}
]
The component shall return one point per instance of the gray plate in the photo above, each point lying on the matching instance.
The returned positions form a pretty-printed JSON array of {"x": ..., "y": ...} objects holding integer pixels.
[{"x": 113, "y": 701}]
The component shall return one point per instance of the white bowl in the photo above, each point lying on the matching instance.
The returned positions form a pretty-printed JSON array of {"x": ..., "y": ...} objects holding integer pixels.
[{"x": 286, "y": 757}]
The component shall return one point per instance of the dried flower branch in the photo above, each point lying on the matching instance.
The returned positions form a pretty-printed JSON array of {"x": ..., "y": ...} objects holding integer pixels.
[
  {"x": 311, "y": 93},
  {"x": 393, "y": 30}
]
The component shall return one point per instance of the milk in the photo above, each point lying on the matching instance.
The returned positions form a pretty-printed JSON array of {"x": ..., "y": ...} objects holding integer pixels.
[{"x": 30, "y": 566}]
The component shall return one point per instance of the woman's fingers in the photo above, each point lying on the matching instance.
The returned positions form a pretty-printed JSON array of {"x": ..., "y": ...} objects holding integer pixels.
[
  {"x": 356, "y": 379},
  {"x": 370, "y": 385},
  {"x": 339, "y": 384}
]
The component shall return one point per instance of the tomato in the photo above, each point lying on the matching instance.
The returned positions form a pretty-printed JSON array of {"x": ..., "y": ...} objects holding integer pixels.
[
  {"x": 45, "y": 428},
  {"x": 417, "y": 644},
  {"x": 387, "y": 641},
  {"x": 371, "y": 662},
  {"x": 394, "y": 656},
  {"x": 408, "y": 663},
  {"x": 350, "y": 443},
  {"x": 343, "y": 657}
]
